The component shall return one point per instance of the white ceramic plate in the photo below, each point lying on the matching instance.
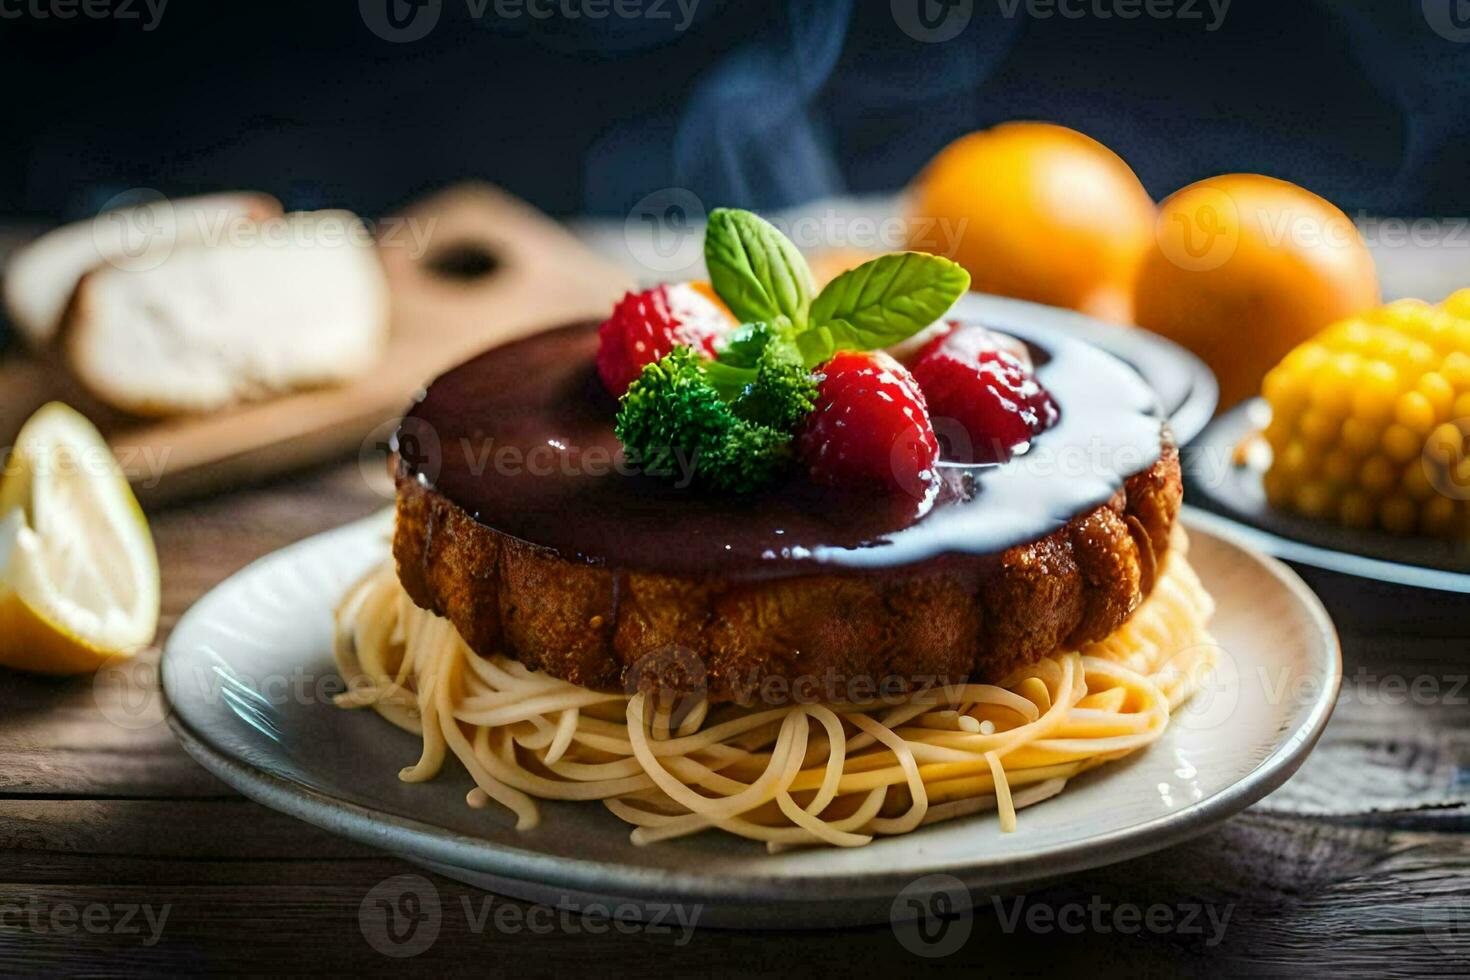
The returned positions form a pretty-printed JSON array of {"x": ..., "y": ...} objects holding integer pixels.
[
  {"x": 1187, "y": 390},
  {"x": 248, "y": 674}
]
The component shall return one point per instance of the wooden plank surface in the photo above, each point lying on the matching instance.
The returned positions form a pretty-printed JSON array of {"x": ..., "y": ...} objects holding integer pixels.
[{"x": 102, "y": 815}]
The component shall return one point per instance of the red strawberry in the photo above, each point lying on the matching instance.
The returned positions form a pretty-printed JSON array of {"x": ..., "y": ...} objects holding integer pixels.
[
  {"x": 970, "y": 377},
  {"x": 869, "y": 427},
  {"x": 645, "y": 326}
]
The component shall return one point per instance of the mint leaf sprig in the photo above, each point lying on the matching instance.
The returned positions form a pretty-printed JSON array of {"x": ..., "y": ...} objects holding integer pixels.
[
  {"x": 757, "y": 271},
  {"x": 734, "y": 417},
  {"x": 762, "y": 277}
]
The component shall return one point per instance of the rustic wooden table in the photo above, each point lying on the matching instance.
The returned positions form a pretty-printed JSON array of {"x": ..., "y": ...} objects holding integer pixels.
[{"x": 121, "y": 855}]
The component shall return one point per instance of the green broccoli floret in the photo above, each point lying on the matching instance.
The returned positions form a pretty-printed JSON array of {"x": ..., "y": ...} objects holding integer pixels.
[
  {"x": 721, "y": 426},
  {"x": 782, "y": 393}
]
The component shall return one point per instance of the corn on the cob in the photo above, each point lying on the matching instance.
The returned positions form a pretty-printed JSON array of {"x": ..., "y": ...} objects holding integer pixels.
[{"x": 1370, "y": 419}]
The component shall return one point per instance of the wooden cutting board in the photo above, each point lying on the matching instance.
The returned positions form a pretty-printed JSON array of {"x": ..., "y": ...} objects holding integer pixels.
[{"x": 494, "y": 269}]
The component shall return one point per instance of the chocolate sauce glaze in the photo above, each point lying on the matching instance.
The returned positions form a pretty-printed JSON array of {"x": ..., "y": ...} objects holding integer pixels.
[{"x": 521, "y": 438}]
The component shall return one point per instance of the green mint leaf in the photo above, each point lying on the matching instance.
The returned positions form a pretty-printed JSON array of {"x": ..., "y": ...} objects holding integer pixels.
[
  {"x": 755, "y": 269},
  {"x": 818, "y": 343},
  {"x": 880, "y": 303}
]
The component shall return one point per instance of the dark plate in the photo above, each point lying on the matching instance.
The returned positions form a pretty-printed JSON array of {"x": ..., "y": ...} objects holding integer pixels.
[
  {"x": 1233, "y": 494},
  {"x": 1186, "y": 388}
]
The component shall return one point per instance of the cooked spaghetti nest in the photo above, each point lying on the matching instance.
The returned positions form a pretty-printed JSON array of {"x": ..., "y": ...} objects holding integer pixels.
[{"x": 791, "y": 775}]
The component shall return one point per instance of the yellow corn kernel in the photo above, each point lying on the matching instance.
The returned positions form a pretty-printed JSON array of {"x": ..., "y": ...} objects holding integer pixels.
[
  {"x": 1279, "y": 430},
  {"x": 1353, "y": 335},
  {"x": 1439, "y": 516},
  {"x": 1315, "y": 499},
  {"x": 1416, "y": 484},
  {"x": 1377, "y": 474},
  {"x": 1306, "y": 358},
  {"x": 1294, "y": 462},
  {"x": 1458, "y": 303},
  {"x": 1456, "y": 370},
  {"x": 1414, "y": 412},
  {"x": 1285, "y": 391},
  {"x": 1377, "y": 390},
  {"x": 1359, "y": 437},
  {"x": 1277, "y": 487},
  {"x": 1398, "y": 514},
  {"x": 1440, "y": 332},
  {"x": 1339, "y": 466},
  {"x": 1332, "y": 388},
  {"x": 1437, "y": 390},
  {"x": 1400, "y": 444},
  {"x": 1318, "y": 427},
  {"x": 1356, "y": 509},
  {"x": 1445, "y": 445},
  {"x": 1419, "y": 356},
  {"x": 1382, "y": 342},
  {"x": 1401, "y": 312}
]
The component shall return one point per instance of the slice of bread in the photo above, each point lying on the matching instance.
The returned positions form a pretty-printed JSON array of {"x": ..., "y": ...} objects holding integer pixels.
[
  {"x": 300, "y": 302},
  {"x": 40, "y": 278}
]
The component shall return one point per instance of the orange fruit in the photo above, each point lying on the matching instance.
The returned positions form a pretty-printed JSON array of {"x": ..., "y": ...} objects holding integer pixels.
[
  {"x": 1245, "y": 267},
  {"x": 1036, "y": 211}
]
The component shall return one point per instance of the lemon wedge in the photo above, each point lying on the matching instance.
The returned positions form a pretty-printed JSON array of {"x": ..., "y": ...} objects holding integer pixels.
[{"x": 78, "y": 570}]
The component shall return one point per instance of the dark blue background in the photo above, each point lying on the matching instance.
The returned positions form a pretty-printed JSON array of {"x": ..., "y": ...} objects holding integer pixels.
[{"x": 760, "y": 103}]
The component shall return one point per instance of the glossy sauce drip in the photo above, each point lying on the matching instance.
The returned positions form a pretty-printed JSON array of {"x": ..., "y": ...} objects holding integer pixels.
[{"x": 521, "y": 438}]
